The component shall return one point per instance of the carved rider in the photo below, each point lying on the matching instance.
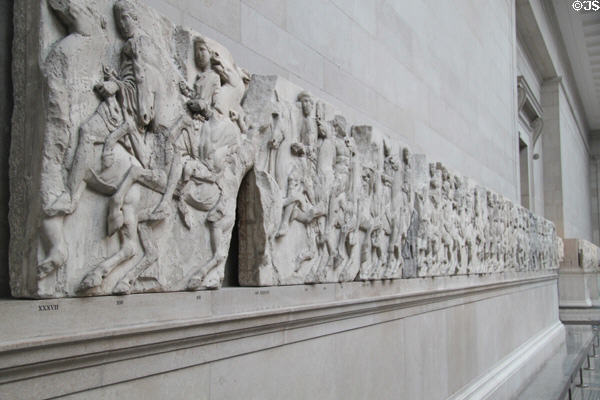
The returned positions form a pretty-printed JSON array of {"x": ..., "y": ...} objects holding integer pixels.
[
  {"x": 206, "y": 84},
  {"x": 308, "y": 128}
]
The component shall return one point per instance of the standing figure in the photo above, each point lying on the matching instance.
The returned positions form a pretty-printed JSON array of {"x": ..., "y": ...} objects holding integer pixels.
[
  {"x": 200, "y": 103},
  {"x": 207, "y": 82},
  {"x": 219, "y": 150},
  {"x": 308, "y": 138},
  {"x": 338, "y": 205},
  {"x": 63, "y": 66},
  {"x": 342, "y": 198},
  {"x": 480, "y": 229},
  {"x": 220, "y": 160},
  {"x": 398, "y": 176},
  {"x": 434, "y": 240},
  {"x": 299, "y": 190},
  {"x": 279, "y": 131},
  {"x": 466, "y": 228},
  {"x": 365, "y": 220},
  {"x": 308, "y": 128},
  {"x": 306, "y": 161},
  {"x": 323, "y": 192}
]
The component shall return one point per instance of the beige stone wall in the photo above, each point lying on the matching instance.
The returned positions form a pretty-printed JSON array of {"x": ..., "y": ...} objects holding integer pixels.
[{"x": 439, "y": 76}]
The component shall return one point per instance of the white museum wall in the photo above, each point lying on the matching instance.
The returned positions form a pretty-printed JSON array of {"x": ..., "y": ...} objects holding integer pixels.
[
  {"x": 575, "y": 175},
  {"x": 537, "y": 174},
  {"x": 566, "y": 166},
  {"x": 439, "y": 76},
  {"x": 526, "y": 67},
  {"x": 553, "y": 192}
]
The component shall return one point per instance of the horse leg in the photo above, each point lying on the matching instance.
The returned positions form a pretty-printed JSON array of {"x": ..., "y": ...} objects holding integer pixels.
[
  {"x": 115, "y": 213},
  {"x": 375, "y": 260},
  {"x": 319, "y": 247},
  {"x": 394, "y": 259},
  {"x": 153, "y": 179},
  {"x": 216, "y": 233},
  {"x": 331, "y": 254},
  {"x": 309, "y": 252},
  {"x": 52, "y": 232},
  {"x": 290, "y": 205},
  {"x": 150, "y": 257},
  {"x": 167, "y": 184},
  {"x": 199, "y": 277},
  {"x": 90, "y": 133},
  {"x": 127, "y": 251},
  {"x": 340, "y": 257},
  {"x": 366, "y": 258},
  {"x": 156, "y": 180}
]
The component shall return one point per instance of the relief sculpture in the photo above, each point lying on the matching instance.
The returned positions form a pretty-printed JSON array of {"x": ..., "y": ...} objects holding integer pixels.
[
  {"x": 151, "y": 144},
  {"x": 139, "y": 193}
]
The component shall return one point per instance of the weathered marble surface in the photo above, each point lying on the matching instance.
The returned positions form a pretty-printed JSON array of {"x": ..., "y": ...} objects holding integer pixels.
[
  {"x": 588, "y": 255},
  {"x": 330, "y": 202},
  {"x": 578, "y": 284},
  {"x": 144, "y": 134}
]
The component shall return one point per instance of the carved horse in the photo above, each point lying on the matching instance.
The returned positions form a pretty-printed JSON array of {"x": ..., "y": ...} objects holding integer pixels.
[{"x": 141, "y": 154}]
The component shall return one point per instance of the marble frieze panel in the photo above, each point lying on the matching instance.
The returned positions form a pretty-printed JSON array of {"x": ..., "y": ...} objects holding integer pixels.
[
  {"x": 328, "y": 201},
  {"x": 137, "y": 145},
  {"x": 135, "y": 129},
  {"x": 581, "y": 255}
]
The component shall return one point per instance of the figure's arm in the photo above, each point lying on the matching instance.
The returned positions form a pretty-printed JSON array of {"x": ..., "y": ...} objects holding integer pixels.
[
  {"x": 277, "y": 135},
  {"x": 198, "y": 170},
  {"x": 111, "y": 140},
  {"x": 239, "y": 120},
  {"x": 106, "y": 89},
  {"x": 185, "y": 89},
  {"x": 197, "y": 106},
  {"x": 109, "y": 86},
  {"x": 323, "y": 128},
  {"x": 222, "y": 71},
  {"x": 173, "y": 177},
  {"x": 386, "y": 179}
]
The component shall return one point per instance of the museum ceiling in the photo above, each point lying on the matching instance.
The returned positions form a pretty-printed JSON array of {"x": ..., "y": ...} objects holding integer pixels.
[{"x": 581, "y": 35}]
